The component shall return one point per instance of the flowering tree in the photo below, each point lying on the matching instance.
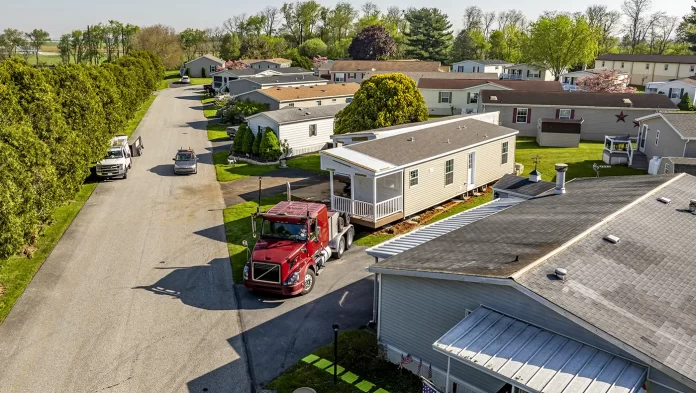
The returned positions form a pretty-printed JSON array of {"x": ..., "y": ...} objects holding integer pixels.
[
  {"x": 319, "y": 61},
  {"x": 605, "y": 82},
  {"x": 233, "y": 65}
]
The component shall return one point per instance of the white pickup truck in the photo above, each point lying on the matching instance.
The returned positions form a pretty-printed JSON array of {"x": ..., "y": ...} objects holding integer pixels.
[{"x": 118, "y": 158}]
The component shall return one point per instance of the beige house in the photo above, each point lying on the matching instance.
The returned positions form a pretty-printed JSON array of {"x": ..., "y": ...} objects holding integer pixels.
[
  {"x": 527, "y": 72},
  {"x": 358, "y": 70},
  {"x": 403, "y": 174},
  {"x": 203, "y": 66},
  {"x": 602, "y": 113},
  {"x": 303, "y": 96},
  {"x": 455, "y": 96},
  {"x": 649, "y": 68},
  {"x": 263, "y": 64}
]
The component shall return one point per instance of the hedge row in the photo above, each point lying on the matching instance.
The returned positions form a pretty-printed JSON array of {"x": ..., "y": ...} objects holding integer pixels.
[{"x": 54, "y": 124}]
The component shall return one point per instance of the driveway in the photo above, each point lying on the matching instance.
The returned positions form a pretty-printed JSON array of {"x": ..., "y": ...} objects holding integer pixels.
[
  {"x": 272, "y": 183},
  {"x": 137, "y": 296}
]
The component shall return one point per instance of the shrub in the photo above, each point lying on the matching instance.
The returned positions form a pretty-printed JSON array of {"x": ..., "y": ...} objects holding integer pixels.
[
  {"x": 686, "y": 104},
  {"x": 247, "y": 140},
  {"x": 238, "y": 146},
  {"x": 257, "y": 143},
  {"x": 269, "y": 148},
  {"x": 202, "y": 72}
]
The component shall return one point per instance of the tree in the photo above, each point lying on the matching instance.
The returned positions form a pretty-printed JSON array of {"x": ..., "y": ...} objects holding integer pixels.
[
  {"x": 298, "y": 60},
  {"x": 599, "y": 17},
  {"x": 560, "y": 42},
  {"x": 339, "y": 49},
  {"x": 314, "y": 47},
  {"x": 341, "y": 19},
  {"x": 229, "y": 49},
  {"x": 686, "y": 104},
  {"x": 162, "y": 41},
  {"x": 248, "y": 141},
  {"x": 382, "y": 101},
  {"x": 191, "y": 41},
  {"x": 13, "y": 39},
  {"x": 257, "y": 143},
  {"x": 473, "y": 18},
  {"x": 300, "y": 19},
  {"x": 372, "y": 43},
  {"x": 239, "y": 137},
  {"x": 605, "y": 82},
  {"x": 481, "y": 44},
  {"x": 463, "y": 47},
  {"x": 37, "y": 38},
  {"x": 506, "y": 44},
  {"x": 271, "y": 16},
  {"x": 638, "y": 25},
  {"x": 269, "y": 148},
  {"x": 429, "y": 36},
  {"x": 688, "y": 29},
  {"x": 64, "y": 48}
]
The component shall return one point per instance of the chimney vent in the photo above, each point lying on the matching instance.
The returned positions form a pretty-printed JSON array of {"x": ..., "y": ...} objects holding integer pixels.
[
  {"x": 664, "y": 200},
  {"x": 560, "y": 178},
  {"x": 612, "y": 239},
  {"x": 692, "y": 206},
  {"x": 561, "y": 273}
]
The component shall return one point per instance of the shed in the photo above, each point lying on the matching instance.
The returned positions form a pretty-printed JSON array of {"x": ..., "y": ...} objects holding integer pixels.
[{"x": 559, "y": 132}]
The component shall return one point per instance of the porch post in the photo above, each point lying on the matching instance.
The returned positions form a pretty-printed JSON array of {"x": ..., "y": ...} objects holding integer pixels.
[
  {"x": 374, "y": 199},
  {"x": 447, "y": 388},
  {"x": 352, "y": 193},
  {"x": 331, "y": 190}
]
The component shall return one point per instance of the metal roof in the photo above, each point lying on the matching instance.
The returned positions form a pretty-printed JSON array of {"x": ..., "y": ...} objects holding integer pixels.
[
  {"x": 535, "y": 359},
  {"x": 432, "y": 231}
]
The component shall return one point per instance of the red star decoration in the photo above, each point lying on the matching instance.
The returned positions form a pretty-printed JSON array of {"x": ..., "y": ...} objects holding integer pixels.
[
  {"x": 621, "y": 117},
  {"x": 635, "y": 123}
]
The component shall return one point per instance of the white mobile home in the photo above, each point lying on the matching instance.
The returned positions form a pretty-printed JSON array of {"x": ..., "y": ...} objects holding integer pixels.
[
  {"x": 488, "y": 66},
  {"x": 527, "y": 72},
  {"x": 674, "y": 90}
]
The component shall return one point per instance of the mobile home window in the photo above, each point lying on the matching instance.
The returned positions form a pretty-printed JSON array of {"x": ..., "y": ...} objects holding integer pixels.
[
  {"x": 692, "y": 68},
  {"x": 460, "y": 68},
  {"x": 258, "y": 129},
  {"x": 318, "y": 102},
  {"x": 657, "y": 137},
  {"x": 473, "y": 98},
  {"x": 647, "y": 66},
  {"x": 291, "y": 105},
  {"x": 666, "y": 67},
  {"x": 445, "y": 97},
  {"x": 312, "y": 130},
  {"x": 603, "y": 63},
  {"x": 449, "y": 172},
  {"x": 564, "y": 113},
  {"x": 349, "y": 100},
  {"x": 521, "y": 115},
  {"x": 413, "y": 178},
  {"x": 333, "y": 100},
  {"x": 622, "y": 64},
  {"x": 504, "y": 157}
]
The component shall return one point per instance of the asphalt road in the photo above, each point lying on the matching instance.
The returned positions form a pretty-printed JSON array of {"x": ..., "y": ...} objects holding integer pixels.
[{"x": 137, "y": 296}]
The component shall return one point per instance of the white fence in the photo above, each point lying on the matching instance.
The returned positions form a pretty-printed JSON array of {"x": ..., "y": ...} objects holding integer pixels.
[{"x": 367, "y": 210}]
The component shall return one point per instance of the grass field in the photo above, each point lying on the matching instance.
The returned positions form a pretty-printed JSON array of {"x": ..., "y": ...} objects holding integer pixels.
[
  {"x": 217, "y": 132},
  {"x": 361, "y": 369},
  {"x": 135, "y": 121},
  {"x": 210, "y": 110},
  {"x": 309, "y": 162},
  {"x": 579, "y": 160},
  {"x": 16, "y": 272},
  {"x": 238, "y": 228},
  {"x": 226, "y": 172}
]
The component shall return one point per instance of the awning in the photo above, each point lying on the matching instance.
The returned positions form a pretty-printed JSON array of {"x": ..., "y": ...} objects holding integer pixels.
[{"x": 535, "y": 359}]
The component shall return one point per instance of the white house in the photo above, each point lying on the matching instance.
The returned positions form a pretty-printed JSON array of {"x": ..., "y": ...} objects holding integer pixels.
[
  {"x": 674, "y": 90},
  {"x": 203, "y": 66},
  {"x": 303, "y": 96},
  {"x": 572, "y": 77},
  {"x": 306, "y": 129},
  {"x": 527, "y": 72},
  {"x": 490, "y": 66},
  {"x": 264, "y": 64}
]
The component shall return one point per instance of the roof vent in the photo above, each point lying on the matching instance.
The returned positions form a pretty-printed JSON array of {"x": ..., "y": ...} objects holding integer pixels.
[
  {"x": 494, "y": 98},
  {"x": 560, "y": 273},
  {"x": 412, "y": 139},
  {"x": 448, "y": 140},
  {"x": 612, "y": 239},
  {"x": 627, "y": 101},
  {"x": 692, "y": 206},
  {"x": 664, "y": 200}
]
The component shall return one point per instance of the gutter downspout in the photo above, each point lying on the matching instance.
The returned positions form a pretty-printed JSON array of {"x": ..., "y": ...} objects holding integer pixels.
[{"x": 685, "y": 143}]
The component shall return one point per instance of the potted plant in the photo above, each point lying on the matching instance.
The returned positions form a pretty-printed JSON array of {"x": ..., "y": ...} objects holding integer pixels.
[{"x": 285, "y": 152}]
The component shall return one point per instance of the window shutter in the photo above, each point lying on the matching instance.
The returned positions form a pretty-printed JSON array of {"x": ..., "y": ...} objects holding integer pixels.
[
  {"x": 529, "y": 115},
  {"x": 558, "y": 113},
  {"x": 681, "y": 93},
  {"x": 468, "y": 98},
  {"x": 514, "y": 115},
  {"x": 669, "y": 93},
  {"x": 572, "y": 113},
  {"x": 439, "y": 97}
]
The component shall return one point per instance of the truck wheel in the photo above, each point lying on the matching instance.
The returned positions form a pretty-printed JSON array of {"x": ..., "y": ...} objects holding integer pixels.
[
  {"x": 349, "y": 238},
  {"x": 125, "y": 174},
  {"x": 308, "y": 281},
  {"x": 341, "y": 247}
]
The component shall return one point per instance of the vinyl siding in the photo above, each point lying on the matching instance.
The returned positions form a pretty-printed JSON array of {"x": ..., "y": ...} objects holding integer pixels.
[
  {"x": 670, "y": 144},
  {"x": 431, "y": 189},
  {"x": 264, "y": 122},
  {"x": 268, "y": 65},
  {"x": 359, "y": 76},
  {"x": 298, "y": 137},
  {"x": 677, "y": 86},
  {"x": 415, "y": 312},
  {"x": 597, "y": 122},
  {"x": 195, "y": 66},
  {"x": 557, "y": 139},
  {"x": 313, "y": 101},
  {"x": 459, "y": 100},
  {"x": 655, "y": 72},
  {"x": 544, "y": 75},
  {"x": 690, "y": 149},
  {"x": 241, "y": 86},
  {"x": 262, "y": 98}
]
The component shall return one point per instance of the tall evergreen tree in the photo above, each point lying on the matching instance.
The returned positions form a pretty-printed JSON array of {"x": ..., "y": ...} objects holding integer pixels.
[
  {"x": 689, "y": 28},
  {"x": 430, "y": 34}
]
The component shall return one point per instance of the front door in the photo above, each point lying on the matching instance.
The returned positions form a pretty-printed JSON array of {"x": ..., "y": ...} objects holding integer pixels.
[
  {"x": 471, "y": 171},
  {"x": 641, "y": 137}
]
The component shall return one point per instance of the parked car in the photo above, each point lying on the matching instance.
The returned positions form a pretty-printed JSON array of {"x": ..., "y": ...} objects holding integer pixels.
[
  {"x": 185, "y": 79},
  {"x": 185, "y": 162},
  {"x": 232, "y": 131},
  {"x": 571, "y": 88}
]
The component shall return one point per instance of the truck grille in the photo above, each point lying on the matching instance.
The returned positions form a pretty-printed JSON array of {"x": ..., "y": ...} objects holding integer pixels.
[
  {"x": 110, "y": 169},
  {"x": 265, "y": 272}
]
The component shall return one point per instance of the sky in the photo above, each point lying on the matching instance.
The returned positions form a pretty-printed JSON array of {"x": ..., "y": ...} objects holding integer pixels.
[{"x": 58, "y": 17}]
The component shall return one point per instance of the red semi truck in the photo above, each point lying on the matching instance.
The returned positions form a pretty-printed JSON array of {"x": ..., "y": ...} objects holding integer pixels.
[{"x": 296, "y": 239}]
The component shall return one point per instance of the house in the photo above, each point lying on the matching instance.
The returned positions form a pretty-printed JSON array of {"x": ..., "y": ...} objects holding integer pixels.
[
  {"x": 305, "y": 96},
  {"x": 417, "y": 76},
  {"x": 265, "y": 64},
  {"x": 455, "y": 96},
  {"x": 572, "y": 77},
  {"x": 322, "y": 71},
  {"x": 305, "y": 129},
  {"x": 247, "y": 84},
  {"x": 602, "y": 113},
  {"x": 203, "y": 66},
  {"x": 357, "y": 70},
  {"x": 585, "y": 287},
  {"x": 368, "y": 135},
  {"x": 675, "y": 89},
  {"x": 527, "y": 72},
  {"x": 490, "y": 66},
  {"x": 400, "y": 175},
  {"x": 649, "y": 68},
  {"x": 223, "y": 77}
]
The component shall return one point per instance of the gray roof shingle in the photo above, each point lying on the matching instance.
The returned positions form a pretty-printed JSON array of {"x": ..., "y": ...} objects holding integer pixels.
[
  {"x": 522, "y": 185},
  {"x": 275, "y": 79},
  {"x": 685, "y": 123},
  {"x": 292, "y": 114},
  {"x": 599, "y": 100}
]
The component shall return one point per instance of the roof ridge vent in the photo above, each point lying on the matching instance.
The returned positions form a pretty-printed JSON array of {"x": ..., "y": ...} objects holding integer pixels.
[{"x": 612, "y": 239}]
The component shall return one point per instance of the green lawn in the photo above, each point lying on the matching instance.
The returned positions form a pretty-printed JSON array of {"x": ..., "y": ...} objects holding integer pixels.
[
  {"x": 217, "y": 132},
  {"x": 361, "y": 369},
  {"x": 579, "y": 160},
  {"x": 210, "y": 110},
  {"x": 309, "y": 162},
  {"x": 238, "y": 228},
  {"x": 169, "y": 76},
  {"x": 226, "y": 172},
  {"x": 135, "y": 121},
  {"x": 16, "y": 272}
]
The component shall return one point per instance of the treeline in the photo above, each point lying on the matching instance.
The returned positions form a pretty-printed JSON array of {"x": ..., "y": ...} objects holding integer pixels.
[{"x": 54, "y": 123}]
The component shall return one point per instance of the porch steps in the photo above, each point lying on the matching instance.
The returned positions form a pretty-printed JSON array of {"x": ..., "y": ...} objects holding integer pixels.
[
  {"x": 437, "y": 229},
  {"x": 640, "y": 160}
]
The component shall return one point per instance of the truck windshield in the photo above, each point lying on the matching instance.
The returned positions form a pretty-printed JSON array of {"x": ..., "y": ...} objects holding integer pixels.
[
  {"x": 114, "y": 154},
  {"x": 282, "y": 230}
]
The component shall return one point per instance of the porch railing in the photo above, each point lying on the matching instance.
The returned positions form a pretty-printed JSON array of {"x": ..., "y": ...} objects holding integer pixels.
[
  {"x": 630, "y": 153},
  {"x": 389, "y": 207},
  {"x": 366, "y": 210},
  {"x": 341, "y": 204},
  {"x": 511, "y": 76}
]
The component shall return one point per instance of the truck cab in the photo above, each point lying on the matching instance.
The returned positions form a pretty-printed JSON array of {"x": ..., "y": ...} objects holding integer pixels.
[
  {"x": 117, "y": 160},
  {"x": 295, "y": 240}
]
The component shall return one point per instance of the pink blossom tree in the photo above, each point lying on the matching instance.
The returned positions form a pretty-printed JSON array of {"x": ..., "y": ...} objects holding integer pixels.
[
  {"x": 606, "y": 82},
  {"x": 233, "y": 65},
  {"x": 319, "y": 61}
]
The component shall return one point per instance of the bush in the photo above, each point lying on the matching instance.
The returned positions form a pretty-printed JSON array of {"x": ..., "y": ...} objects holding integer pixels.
[
  {"x": 238, "y": 146},
  {"x": 686, "y": 104},
  {"x": 202, "y": 72},
  {"x": 234, "y": 112},
  {"x": 313, "y": 48},
  {"x": 269, "y": 148},
  {"x": 257, "y": 143},
  {"x": 248, "y": 141}
]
